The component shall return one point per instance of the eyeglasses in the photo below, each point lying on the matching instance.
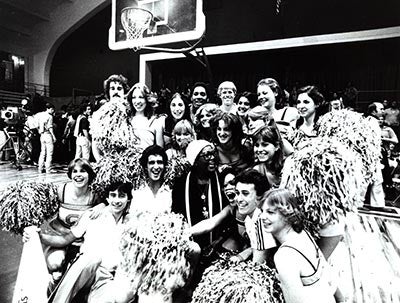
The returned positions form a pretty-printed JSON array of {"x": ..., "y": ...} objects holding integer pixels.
[
  {"x": 203, "y": 94},
  {"x": 208, "y": 155}
]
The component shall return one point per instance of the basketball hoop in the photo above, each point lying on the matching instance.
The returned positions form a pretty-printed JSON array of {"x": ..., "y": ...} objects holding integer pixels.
[{"x": 135, "y": 21}]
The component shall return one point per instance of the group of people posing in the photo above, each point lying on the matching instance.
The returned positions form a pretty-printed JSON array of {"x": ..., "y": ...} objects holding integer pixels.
[{"x": 231, "y": 195}]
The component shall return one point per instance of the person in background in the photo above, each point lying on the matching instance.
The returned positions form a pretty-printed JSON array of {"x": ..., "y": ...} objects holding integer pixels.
[
  {"x": 177, "y": 110},
  {"x": 115, "y": 87},
  {"x": 272, "y": 97},
  {"x": 375, "y": 195},
  {"x": 228, "y": 138},
  {"x": 226, "y": 93},
  {"x": 203, "y": 117},
  {"x": 182, "y": 134},
  {"x": 47, "y": 138},
  {"x": 336, "y": 102},
  {"x": 392, "y": 117},
  {"x": 199, "y": 97},
  {"x": 82, "y": 133},
  {"x": 146, "y": 128}
]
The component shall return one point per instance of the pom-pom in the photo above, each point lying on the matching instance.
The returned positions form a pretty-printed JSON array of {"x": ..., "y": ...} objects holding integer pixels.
[
  {"x": 153, "y": 248},
  {"x": 118, "y": 167},
  {"x": 326, "y": 177},
  {"x": 111, "y": 128},
  {"x": 177, "y": 167},
  {"x": 27, "y": 203},
  {"x": 244, "y": 282},
  {"x": 362, "y": 135}
]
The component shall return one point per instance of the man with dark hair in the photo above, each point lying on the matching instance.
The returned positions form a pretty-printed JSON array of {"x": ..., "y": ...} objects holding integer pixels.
[
  {"x": 154, "y": 195},
  {"x": 198, "y": 97},
  {"x": 81, "y": 132},
  {"x": 250, "y": 187},
  {"x": 115, "y": 87},
  {"x": 47, "y": 137}
]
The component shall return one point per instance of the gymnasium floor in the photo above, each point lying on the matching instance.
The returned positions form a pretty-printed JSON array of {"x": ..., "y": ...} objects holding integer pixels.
[{"x": 10, "y": 245}]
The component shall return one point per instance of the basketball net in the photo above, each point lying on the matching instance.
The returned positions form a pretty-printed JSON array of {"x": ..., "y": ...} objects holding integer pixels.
[{"x": 135, "y": 21}]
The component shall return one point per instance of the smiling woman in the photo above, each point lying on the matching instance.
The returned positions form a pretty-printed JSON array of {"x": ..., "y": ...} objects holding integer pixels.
[
  {"x": 75, "y": 198},
  {"x": 146, "y": 128}
]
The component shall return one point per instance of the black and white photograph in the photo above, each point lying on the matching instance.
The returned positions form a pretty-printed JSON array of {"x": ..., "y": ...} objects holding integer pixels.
[{"x": 199, "y": 151}]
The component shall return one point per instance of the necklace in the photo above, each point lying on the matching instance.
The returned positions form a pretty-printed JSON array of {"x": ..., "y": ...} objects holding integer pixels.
[{"x": 203, "y": 188}]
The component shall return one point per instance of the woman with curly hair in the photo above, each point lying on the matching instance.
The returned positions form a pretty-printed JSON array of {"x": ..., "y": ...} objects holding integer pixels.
[
  {"x": 144, "y": 122},
  {"x": 301, "y": 266}
]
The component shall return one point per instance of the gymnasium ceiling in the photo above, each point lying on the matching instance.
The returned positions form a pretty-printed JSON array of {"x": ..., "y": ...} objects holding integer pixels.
[{"x": 19, "y": 18}]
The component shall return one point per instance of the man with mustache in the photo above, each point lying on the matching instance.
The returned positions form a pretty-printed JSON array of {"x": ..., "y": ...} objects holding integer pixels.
[{"x": 115, "y": 87}]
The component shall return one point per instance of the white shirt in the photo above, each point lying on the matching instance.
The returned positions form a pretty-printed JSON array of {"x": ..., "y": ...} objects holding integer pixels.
[
  {"x": 260, "y": 239},
  {"x": 101, "y": 235},
  {"x": 143, "y": 199}
]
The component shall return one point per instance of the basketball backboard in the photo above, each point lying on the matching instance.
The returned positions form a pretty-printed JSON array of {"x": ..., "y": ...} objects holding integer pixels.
[{"x": 173, "y": 21}]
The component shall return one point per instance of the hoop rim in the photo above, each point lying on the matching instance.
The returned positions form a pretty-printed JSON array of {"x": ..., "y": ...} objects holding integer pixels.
[{"x": 137, "y": 8}]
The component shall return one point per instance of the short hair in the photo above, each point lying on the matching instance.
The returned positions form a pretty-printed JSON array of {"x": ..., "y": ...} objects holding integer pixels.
[
  {"x": 85, "y": 165},
  {"x": 49, "y": 105},
  {"x": 270, "y": 134},
  {"x": 252, "y": 176},
  {"x": 148, "y": 110},
  {"x": 180, "y": 127},
  {"x": 123, "y": 187},
  {"x": 232, "y": 122},
  {"x": 287, "y": 204},
  {"x": 153, "y": 150},
  {"x": 226, "y": 85},
  {"x": 201, "y": 84},
  {"x": 249, "y": 96},
  {"x": 275, "y": 87},
  {"x": 115, "y": 78}
]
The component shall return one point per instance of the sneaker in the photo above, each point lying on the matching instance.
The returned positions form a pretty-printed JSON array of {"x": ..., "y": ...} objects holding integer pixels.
[{"x": 50, "y": 171}]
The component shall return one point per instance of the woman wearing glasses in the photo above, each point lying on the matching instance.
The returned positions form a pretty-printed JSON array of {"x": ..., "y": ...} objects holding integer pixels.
[{"x": 198, "y": 195}]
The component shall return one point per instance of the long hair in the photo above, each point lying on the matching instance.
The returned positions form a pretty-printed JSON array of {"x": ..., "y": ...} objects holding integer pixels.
[
  {"x": 319, "y": 101},
  {"x": 270, "y": 134},
  {"x": 144, "y": 90},
  {"x": 234, "y": 125},
  {"x": 169, "y": 120},
  {"x": 287, "y": 204}
]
